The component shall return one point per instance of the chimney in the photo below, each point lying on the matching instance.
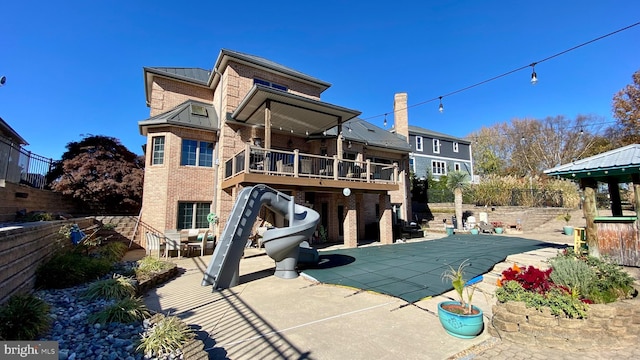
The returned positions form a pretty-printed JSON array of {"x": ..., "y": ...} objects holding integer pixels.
[{"x": 401, "y": 115}]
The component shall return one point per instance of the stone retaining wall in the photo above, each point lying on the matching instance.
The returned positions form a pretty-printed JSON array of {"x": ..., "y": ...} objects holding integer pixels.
[
  {"x": 23, "y": 249},
  {"x": 607, "y": 326}
]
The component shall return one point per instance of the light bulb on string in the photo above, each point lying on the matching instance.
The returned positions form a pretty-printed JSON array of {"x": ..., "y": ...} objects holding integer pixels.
[
  {"x": 440, "y": 108},
  {"x": 581, "y": 131},
  {"x": 534, "y": 76},
  {"x": 384, "y": 123}
]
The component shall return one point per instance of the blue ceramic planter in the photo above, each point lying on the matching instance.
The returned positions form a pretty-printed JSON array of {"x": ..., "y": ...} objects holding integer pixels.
[{"x": 461, "y": 326}]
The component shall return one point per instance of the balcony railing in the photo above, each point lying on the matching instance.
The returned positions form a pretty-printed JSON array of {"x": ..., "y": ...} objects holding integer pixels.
[
  {"x": 18, "y": 165},
  {"x": 255, "y": 160}
]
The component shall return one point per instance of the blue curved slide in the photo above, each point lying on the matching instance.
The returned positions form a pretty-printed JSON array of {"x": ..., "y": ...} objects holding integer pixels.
[{"x": 223, "y": 270}]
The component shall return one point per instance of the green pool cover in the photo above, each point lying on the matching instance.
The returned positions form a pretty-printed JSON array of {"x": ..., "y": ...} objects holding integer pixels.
[{"x": 413, "y": 271}]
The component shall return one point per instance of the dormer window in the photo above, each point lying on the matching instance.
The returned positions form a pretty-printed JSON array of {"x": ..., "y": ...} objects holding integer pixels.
[{"x": 270, "y": 84}]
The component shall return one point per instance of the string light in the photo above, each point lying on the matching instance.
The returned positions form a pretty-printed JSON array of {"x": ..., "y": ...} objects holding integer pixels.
[
  {"x": 514, "y": 70},
  {"x": 384, "y": 123},
  {"x": 441, "y": 108},
  {"x": 534, "y": 76}
]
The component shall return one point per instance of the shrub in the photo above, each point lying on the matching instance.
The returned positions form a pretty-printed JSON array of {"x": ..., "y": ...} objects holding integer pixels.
[
  {"x": 124, "y": 311},
  {"x": 117, "y": 288},
  {"x": 574, "y": 274},
  {"x": 559, "y": 301},
  {"x": 113, "y": 251},
  {"x": 165, "y": 336},
  {"x": 149, "y": 265},
  {"x": 23, "y": 317},
  {"x": 70, "y": 268}
]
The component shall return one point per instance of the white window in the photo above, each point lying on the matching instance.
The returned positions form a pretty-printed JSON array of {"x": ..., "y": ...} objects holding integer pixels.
[
  {"x": 455, "y": 146},
  {"x": 456, "y": 166},
  {"x": 418, "y": 143},
  {"x": 412, "y": 166},
  {"x": 436, "y": 146},
  {"x": 438, "y": 167},
  {"x": 270, "y": 84},
  {"x": 157, "y": 153}
]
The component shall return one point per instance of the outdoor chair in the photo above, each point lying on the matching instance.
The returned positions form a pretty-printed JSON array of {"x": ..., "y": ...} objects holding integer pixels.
[
  {"x": 155, "y": 244},
  {"x": 485, "y": 227}
]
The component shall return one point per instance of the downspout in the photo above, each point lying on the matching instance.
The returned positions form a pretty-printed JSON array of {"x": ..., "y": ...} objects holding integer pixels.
[{"x": 216, "y": 159}]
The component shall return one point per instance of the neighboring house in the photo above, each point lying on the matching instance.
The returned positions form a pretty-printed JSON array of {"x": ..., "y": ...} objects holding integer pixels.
[
  {"x": 11, "y": 144},
  {"x": 250, "y": 121},
  {"x": 432, "y": 152}
]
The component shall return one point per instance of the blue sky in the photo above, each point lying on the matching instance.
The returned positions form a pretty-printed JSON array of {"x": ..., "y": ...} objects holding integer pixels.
[{"x": 75, "y": 67}]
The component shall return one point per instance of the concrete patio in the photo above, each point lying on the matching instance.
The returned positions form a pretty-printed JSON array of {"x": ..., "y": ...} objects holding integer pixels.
[{"x": 270, "y": 318}]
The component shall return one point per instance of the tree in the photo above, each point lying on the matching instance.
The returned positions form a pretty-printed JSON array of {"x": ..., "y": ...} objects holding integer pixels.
[
  {"x": 626, "y": 110},
  {"x": 456, "y": 182},
  {"x": 526, "y": 147},
  {"x": 101, "y": 173}
]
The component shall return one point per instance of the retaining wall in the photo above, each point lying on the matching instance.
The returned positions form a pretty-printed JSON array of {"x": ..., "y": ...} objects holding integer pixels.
[
  {"x": 613, "y": 325},
  {"x": 23, "y": 249}
]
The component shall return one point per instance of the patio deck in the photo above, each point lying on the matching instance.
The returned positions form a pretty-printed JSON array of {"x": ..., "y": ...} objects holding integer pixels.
[{"x": 270, "y": 318}]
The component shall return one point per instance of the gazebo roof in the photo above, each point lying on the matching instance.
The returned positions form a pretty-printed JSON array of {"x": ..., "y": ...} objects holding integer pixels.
[{"x": 619, "y": 164}]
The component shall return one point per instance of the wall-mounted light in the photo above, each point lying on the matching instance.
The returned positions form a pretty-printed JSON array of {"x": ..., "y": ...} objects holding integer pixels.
[
  {"x": 349, "y": 144},
  {"x": 257, "y": 141}
]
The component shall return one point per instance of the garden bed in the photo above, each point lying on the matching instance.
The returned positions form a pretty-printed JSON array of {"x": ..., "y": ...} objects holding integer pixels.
[{"x": 611, "y": 325}]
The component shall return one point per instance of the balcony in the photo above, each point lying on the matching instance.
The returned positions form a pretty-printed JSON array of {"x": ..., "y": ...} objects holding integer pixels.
[{"x": 256, "y": 165}]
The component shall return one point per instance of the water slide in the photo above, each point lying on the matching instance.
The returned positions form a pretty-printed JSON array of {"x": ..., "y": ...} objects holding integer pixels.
[{"x": 281, "y": 244}]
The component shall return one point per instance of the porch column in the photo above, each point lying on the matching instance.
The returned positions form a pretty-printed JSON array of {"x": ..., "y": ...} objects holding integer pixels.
[
  {"x": 614, "y": 194},
  {"x": 589, "y": 210},
  {"x": 350, "y": 222},
  {"x": 267, "y": 125},
  {"x": 386, "y": 220}
]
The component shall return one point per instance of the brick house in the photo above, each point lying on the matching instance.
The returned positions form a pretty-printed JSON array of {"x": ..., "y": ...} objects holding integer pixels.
[{"x": 250, "y": 121}]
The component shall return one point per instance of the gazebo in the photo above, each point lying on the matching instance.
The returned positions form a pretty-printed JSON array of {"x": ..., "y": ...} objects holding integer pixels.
[{"x": 616, "y": 236}]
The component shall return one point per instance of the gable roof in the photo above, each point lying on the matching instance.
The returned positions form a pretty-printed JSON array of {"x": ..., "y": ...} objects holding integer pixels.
[
  {"x": 619, "y": 163},
  {"x": 366, "y": 133},
  {"x": 416, "y": 130},
  {"x": 226, "y": 54},
  {"x": 190, "y": 114},
  {"x": 191, "y": 75}
]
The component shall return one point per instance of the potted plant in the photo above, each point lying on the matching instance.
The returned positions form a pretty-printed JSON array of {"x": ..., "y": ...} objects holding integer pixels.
[
  {"x": 460, "y": 318},
  {"x": 498, "y": 227},
  {"x": 568, "y": 230}
]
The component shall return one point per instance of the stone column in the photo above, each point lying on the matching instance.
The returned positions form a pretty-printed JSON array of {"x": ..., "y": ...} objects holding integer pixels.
[
  {"x": 350, "y": 222},
  {"x": 386, "y": 220}
]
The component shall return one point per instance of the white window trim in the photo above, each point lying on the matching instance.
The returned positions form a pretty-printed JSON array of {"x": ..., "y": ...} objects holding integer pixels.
[
  {"x": 436, "y": 146},
  {"x": 444, "y": 167},
  {"x": 456, "y": 166},
  {"x": 455, "y": 147},
  {"x": 153, "y": 145},
  {"x": 420, "y": 143}
]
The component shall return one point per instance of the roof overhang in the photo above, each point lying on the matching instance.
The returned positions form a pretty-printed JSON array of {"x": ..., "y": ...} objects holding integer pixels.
[
  {"x": 227, "y": 55},
  {"x": 620, "y": 165},
  {"x": 290, "y": 112},
  {"x": 12, "y": 134}
]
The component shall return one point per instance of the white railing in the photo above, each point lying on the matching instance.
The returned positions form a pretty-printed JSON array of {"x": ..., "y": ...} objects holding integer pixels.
[{"x": 302, "y": 165}]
